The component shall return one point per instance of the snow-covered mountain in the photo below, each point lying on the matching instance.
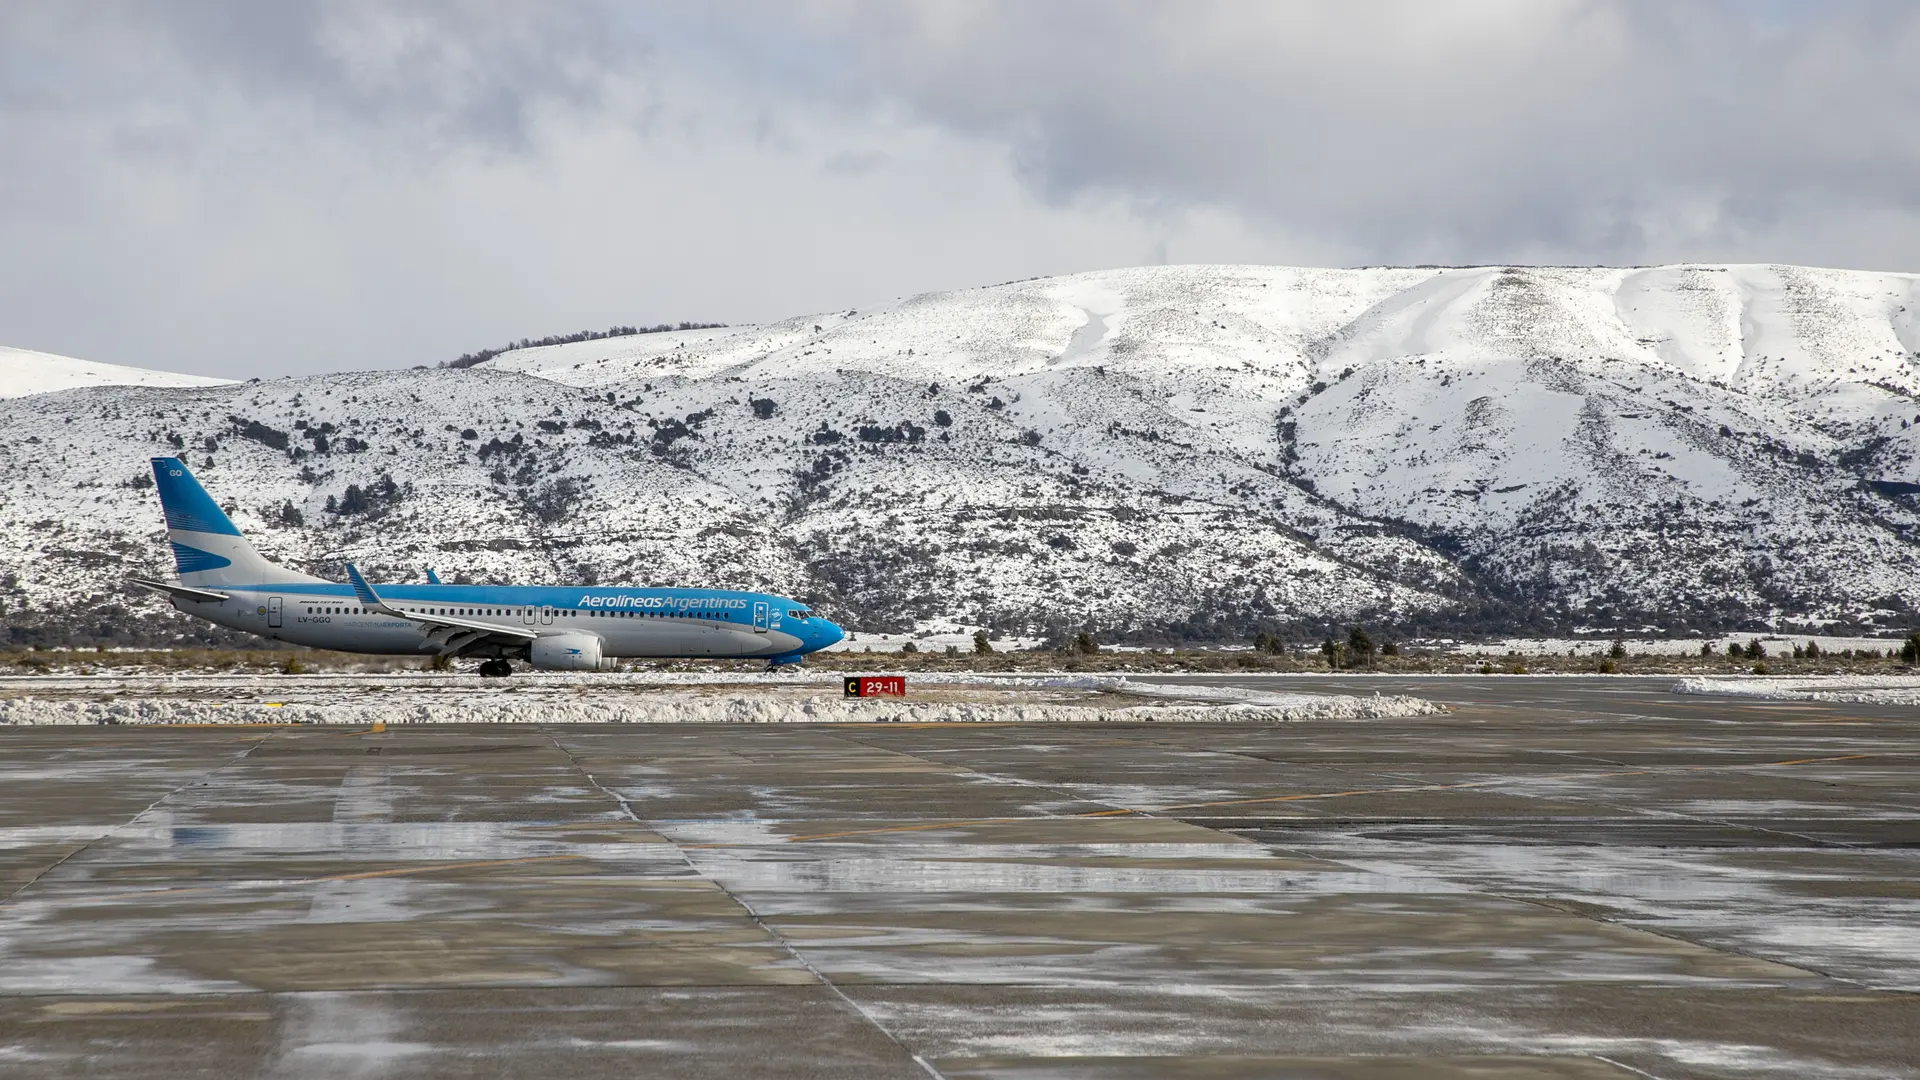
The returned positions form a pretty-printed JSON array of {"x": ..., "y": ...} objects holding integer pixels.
[
  {"x": 1196, "y": 450},
  {"x": 23, "y": 371}
]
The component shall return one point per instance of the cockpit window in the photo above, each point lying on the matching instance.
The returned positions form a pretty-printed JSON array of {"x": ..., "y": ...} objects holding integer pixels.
[{"x": 793, "y": 614}]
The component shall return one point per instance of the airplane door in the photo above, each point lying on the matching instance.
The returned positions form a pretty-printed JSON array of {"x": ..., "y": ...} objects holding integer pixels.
[
  {"x": 527, "y": 615},
  {"x": 546, "y": 616},
  {"x": 760, "y": 617},
  {"x": 273, "y": 611}
]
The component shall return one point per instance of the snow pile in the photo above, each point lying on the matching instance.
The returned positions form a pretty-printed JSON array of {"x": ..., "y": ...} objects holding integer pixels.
[
  {"x": 1846, "y": 689},
  {"x": 23, "y": 371},
  {"x": 1274, "y": 708}
]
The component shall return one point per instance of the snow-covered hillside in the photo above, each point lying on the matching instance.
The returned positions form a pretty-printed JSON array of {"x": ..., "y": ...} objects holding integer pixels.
[
  {"x": 23, "y": 371},
  {"x": 1199, "y": 449}
]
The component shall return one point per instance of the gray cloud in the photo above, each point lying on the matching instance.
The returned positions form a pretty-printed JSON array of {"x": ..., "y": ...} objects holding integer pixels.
[
  {"x": 243, "y": 188},
  {"x": 1489, "y": 130}
]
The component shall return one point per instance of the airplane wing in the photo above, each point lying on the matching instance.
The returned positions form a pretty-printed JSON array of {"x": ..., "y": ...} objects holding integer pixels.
[
  {"x": 199, "y": 596},
  {"x": 453, "y": 633}
]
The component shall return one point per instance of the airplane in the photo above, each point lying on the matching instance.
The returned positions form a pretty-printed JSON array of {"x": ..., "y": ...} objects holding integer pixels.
[{"x": 223, "y": 580}]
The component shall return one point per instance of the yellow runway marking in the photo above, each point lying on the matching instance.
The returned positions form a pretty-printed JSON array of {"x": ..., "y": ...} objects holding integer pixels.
[{"x": 1298, "y": 797}]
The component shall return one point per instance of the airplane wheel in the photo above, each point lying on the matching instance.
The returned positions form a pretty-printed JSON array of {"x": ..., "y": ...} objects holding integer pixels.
[{"x": 495, "y": 669}]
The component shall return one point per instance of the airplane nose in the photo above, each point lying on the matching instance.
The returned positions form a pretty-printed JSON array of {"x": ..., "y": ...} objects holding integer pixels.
[{"x": 827, "y": 634}]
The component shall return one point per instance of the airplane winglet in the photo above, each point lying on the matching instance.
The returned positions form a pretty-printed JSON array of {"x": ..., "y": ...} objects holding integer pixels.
[{"x": 362, "y": 590}]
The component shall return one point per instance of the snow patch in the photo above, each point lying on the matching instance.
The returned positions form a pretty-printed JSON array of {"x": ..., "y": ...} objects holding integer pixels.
[
  {"x": 1846, "y": 689},
  {"x": 23, "y": 371}
]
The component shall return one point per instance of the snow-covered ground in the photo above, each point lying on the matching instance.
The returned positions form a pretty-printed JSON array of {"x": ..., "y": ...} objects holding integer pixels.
[
  {"x": 23, "y": 371},
  {"x": 1210, "y": 448},
  {"x": 1597, "y": 645},
  {"x": 420, "y": 698},
  {"x": 1857, "y": 689},
  {"x": 936, "y": 636}
]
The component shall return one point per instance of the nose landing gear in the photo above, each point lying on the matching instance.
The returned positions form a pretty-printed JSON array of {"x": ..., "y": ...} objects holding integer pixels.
[{"x": 495, "y": 669}]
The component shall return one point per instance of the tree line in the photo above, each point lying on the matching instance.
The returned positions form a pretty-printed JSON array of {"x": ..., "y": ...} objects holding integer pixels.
[{"x": 468, "y": 360}]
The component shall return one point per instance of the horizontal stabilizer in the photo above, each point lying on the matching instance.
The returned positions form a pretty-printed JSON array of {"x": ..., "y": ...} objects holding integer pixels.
[{"x": 183, "y": 592}]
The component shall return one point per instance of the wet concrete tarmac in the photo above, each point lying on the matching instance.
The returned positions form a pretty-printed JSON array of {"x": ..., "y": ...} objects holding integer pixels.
[{"x": 1563, "y": 878}]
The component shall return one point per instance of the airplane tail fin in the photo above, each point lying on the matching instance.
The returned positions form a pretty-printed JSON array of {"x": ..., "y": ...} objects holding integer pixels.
[{"x": 207, "y": 548}]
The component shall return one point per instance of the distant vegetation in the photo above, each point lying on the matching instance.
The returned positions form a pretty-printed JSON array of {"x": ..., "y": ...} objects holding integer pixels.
[{"x": 484, "y": 355}]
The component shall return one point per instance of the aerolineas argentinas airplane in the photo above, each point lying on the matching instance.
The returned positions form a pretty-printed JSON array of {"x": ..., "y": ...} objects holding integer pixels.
[{"x": 223, "y": 580}]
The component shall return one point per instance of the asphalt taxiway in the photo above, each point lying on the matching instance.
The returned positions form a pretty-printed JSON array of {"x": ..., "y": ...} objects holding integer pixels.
[{"x": 1561, "y": 878}]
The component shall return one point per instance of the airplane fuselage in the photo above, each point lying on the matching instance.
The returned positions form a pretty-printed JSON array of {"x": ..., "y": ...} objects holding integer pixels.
[{"x": 628, "y": 622}]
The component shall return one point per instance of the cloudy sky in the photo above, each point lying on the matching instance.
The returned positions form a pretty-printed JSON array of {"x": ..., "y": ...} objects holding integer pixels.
[{"x": 243, "y": 188}]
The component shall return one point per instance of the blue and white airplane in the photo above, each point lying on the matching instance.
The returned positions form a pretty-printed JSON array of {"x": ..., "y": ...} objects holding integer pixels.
[{"x": 225, "y": 581}]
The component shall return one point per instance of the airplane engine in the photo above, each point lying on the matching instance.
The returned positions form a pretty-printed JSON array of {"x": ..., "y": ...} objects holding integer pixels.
[{"x": 568, "y": 652}]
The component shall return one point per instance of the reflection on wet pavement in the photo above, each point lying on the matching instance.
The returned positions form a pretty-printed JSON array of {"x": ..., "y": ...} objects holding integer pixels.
[{"x": 1575, "y": 880}]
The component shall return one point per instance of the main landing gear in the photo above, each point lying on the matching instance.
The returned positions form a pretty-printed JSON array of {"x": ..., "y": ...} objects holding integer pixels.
[{"x": 495, "y": 669}]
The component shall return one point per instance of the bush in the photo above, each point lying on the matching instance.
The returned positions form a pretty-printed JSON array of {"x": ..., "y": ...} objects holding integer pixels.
[
  {"x": 1084, "y": 644},
  {"x": 554, "y": 500},
  {"x": 293, "y": 666},
  {"x": 1333, "y": 651},
  {"x": 1755, "y": 650},
  {"x": 259, "y": 432},
  {"x": 1608, "y": 667},
  {"x": 762, "y": 407},
  {"x": 1619, "y": 650},
  {"x": 1910, "y": 651},
  {"x": 371, "y": 500},
  {"x": 909, "y": 647},
  {"x": 981, "y": 645},
  {"x": 1360, "y": 645}
]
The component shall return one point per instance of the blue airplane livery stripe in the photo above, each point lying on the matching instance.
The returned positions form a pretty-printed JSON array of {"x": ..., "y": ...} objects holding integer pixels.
[
  {"x": 668, "y": 601},
  {"x": 193, "y": 560}
]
